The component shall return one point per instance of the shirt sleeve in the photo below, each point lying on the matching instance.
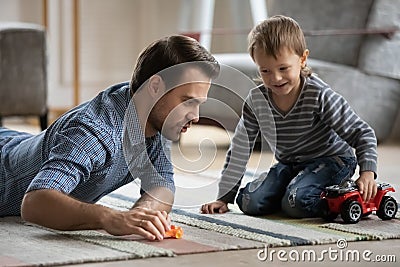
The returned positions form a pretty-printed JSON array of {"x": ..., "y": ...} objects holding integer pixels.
[
  {"x": 158, "y": 171},
  {"x": 77, "y": 151},
  {"x": 337, "y": 113},
  {"x": 238, "y": 153}
]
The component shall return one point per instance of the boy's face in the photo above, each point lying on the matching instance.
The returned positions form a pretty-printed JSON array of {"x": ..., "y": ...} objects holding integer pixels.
[
  {"x": 280, "y": 74},
  {"x": 178, "y": 108}
]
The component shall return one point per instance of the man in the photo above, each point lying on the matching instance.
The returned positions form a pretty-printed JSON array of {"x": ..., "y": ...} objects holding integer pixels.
[{"x": 54, "y": 178}]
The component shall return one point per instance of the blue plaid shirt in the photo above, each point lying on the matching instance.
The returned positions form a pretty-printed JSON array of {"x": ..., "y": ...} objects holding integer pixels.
[{"x": 81, "y": 154}]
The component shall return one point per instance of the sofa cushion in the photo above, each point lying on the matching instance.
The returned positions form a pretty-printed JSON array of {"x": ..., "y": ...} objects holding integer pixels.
[
  {"x": 380, "y": 55},
  {"x": 328, "y": 15}
]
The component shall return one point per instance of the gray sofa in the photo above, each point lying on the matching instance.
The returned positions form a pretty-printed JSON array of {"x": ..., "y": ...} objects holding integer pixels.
[
  {"x": 23, "y": 71},
  {"x": 364, "y": 68}
]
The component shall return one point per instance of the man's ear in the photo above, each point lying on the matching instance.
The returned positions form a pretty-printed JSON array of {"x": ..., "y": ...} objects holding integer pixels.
[
  {"x": 155, "y": 86},
  {"x": 303, "y": 59}
]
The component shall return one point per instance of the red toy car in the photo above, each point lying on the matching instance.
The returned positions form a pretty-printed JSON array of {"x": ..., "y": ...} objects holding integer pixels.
[{"x": 346, "y": 200}]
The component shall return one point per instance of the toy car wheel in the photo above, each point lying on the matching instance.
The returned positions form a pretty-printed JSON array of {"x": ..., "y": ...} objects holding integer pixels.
[
  {"x": 351, "y": 211},
  {"x": 387, "y": 209}
]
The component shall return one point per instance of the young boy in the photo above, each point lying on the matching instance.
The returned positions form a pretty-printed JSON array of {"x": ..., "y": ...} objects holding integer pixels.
[{"x": 314, "y": 131}]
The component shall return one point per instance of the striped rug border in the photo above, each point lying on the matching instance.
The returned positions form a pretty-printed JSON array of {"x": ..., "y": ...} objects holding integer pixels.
[{"x": 243, "y": 231}]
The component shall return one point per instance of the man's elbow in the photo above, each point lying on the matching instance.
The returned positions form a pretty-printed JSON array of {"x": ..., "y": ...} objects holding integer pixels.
[{"x": 28, "y": 208}]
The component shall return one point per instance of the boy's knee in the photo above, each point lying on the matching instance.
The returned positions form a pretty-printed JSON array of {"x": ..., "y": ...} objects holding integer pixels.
[
  {"x": 251, "y": 205},
  {"x": 298, "y": 203}
]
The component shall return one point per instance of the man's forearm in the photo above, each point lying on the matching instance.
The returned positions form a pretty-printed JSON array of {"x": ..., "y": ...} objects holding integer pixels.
[{"x": 53, "y": 209}]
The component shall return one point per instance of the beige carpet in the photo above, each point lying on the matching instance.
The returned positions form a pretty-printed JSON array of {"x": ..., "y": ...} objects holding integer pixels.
[{"x": 24, "y": 244}]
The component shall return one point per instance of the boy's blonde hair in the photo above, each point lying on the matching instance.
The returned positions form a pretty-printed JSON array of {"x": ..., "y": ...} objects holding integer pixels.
[{"x": 276, "y": 32}]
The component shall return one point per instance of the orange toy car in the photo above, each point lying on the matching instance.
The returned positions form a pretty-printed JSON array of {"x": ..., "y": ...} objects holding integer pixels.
[
  {"x": 175, "y": 232},
  {"x": 346, "y": 200}
]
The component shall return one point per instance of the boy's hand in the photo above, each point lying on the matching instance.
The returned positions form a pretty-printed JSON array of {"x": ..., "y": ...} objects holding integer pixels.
[
  {"x": 217, "y": 206},
  {"x": 367, "y": 185}
]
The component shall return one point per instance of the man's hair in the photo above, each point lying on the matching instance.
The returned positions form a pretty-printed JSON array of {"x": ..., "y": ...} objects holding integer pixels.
[
  {"x": 170, "y": 51},
  {"x": 276, "y": 32}
]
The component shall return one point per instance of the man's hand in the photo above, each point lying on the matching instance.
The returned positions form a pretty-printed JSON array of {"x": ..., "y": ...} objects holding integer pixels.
[
  {"x": 148, "y": 223},
  {"x": 148, "y": 216},
  {"x": 367, "y": 185},
  {"x": 217, "y": 206}
]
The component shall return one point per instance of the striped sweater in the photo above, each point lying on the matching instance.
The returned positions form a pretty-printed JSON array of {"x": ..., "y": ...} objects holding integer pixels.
[{"x": 320, "y": 124}]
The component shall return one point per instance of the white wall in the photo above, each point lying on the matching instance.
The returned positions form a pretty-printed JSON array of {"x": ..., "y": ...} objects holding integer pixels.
[
  {"x": 21, "y": 10},
  {"x": 112, "y": 34}
]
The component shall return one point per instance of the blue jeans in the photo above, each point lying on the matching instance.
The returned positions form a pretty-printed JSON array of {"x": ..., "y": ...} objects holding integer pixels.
[{"x": 294, "y": 188}]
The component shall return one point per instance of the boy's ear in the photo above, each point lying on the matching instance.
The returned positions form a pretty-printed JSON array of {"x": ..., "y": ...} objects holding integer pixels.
[
  {"x": 155, "y": 85},
  {"x": 303, "y": 59}
]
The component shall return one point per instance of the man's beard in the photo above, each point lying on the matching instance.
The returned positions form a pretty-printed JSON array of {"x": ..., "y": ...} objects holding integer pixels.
[{"x": 158, "y": 123}]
